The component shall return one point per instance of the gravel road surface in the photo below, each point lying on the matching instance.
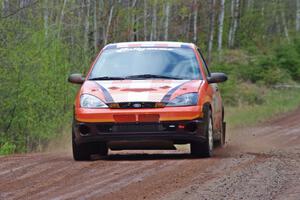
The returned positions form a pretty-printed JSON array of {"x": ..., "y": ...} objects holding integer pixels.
[{"x": 261, "y": 162}]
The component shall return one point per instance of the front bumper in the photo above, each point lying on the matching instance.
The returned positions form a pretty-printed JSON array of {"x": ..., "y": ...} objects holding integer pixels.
[
  {"x": 178, "y": 132},
  {"x": 138, "y": 115}
]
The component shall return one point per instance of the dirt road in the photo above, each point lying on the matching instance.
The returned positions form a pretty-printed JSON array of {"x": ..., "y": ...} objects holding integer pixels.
[{"x": 261, "y": 162}]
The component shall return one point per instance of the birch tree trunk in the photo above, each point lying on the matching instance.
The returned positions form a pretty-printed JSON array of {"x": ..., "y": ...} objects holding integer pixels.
[
  {"x": 262, "y": 13},
  {"x": 96, "y": 31},
  {"x": 145, "y": 19},
  {"x": 195, "y": 15},
  {"x": 285, "y": 28},
  {"x": 108, "y": 24},
  {"x": 166, "y": 26},
  {"x": 154, "y": 22},
  {"x": 249, "y": 4},
  {"x": 61, "y": 17},
  {"x": 22, "y": 12},
  {"x": 298, "y": 16},
  {"x": 231, "y": 22},
  {"x": 133, "y": 35},
  {"x": 87, "y": 25},
  {"x": 23, "y": 3},
  {"x": 5, "y": 7},
  {"x": 220, "y": 24},
  {"x": 235, "y": 22},
  {"x": 211, "y": 29},
  {"x": 46, "y": 16},
  {"x": 101, "y": 28}
]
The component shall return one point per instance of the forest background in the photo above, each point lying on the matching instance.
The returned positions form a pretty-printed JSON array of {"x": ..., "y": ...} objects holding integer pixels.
[{"x": 256, "y": 42}]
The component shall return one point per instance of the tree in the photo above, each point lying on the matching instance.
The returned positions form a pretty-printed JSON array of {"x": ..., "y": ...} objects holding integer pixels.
[
  {"x": 62, "y": 17},
  {"x": 211, "y": 29},
  {"x": 235, "y": 17},
  {"x": 145, "y": 19},
  {"x": 42, "y": 41},
  {"x": 284, "y": 24},
  {"x": 96, "y": 29},
  {"x": 166, "y": 26},
  {"x": 220, "y": 24},
  {"x": 108, "y": 24},
  {"x": 134, "y": 32},
  {"x": 46, "y": 17},
  {"x": 153, "y": 35},
  {"x": 87, "y": 6},
  {"x": 298, "y": 16},
  {"x": 195, "y": 15}
]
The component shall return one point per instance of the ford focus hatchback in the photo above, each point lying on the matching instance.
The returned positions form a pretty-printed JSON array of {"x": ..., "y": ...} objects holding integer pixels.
[{"x": 147, "y": 95}]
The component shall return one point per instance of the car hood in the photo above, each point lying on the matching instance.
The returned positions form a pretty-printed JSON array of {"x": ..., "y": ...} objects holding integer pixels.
[{"x": 157, "y": 90}]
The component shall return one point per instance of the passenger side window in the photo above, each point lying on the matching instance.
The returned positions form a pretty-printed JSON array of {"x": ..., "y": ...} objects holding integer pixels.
[{"x": 206, "y": 71}]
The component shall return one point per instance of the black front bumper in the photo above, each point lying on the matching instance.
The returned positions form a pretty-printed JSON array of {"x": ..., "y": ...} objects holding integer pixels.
[{"x": 179, "y": 132}]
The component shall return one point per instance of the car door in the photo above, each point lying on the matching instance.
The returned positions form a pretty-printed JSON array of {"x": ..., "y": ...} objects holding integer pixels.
[{"x": 216, "y": 97}]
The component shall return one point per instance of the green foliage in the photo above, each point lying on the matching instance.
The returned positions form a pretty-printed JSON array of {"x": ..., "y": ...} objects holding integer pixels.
[
  {"x": 276, "y": 102},
  {"x": 287, "y": 57},
  {"x": 7, "y": 148},
  {"x": 35, "y": 95},
  {"x": 251, "y": 74}
]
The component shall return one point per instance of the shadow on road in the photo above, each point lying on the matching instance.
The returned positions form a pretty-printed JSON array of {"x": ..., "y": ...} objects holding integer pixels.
[
  {"x": 145, "y": 156},
  {"x": 134, "y": 156}
]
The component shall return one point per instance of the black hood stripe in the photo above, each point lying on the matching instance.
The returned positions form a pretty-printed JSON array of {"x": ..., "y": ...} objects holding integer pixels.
[
  {"x": 107, "y": 96},
  {"x": 167, "y": 97}
]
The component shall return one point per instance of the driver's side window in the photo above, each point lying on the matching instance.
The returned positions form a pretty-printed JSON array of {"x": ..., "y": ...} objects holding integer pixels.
[{"x": 206, "y": 71}]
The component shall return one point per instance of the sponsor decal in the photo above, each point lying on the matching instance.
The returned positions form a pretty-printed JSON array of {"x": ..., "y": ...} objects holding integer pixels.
[
  {"x": 139, "y": 90},
  {"x": 107, "y": 96},
  {"x": 167, "y": 97}
]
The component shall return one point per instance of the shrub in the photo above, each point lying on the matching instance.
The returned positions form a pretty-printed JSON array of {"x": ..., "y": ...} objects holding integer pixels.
[
  {"x": 7, "y": 148},
  {"x": 287, "y": 57}
]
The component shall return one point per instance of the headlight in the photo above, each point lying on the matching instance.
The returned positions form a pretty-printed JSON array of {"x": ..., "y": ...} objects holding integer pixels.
[
  {"x": 90, "y": 101},
  {"x": 189, "y": 99}
]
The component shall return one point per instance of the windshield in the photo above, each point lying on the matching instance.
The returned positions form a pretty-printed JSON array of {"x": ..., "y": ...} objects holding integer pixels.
[{"x": 143, "y": 63}]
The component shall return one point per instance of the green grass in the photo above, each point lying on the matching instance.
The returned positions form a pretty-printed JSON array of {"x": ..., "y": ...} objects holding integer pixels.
[{"x": 276, "y": 102}]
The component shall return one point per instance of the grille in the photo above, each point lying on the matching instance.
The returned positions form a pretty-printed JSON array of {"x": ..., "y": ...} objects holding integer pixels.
[{"x": 133, "y": 105}]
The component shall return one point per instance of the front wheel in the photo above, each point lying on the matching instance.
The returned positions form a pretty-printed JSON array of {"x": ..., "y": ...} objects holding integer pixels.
[
  {"x": 205, "y": 149},
  {"x": 80, "y": 152},
  {"x": 84, "y": 151}
]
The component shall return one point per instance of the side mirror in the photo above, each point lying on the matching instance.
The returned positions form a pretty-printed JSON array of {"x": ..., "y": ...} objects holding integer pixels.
[
  {"x": 76, "y": 78},
  {"x": 217, "y": 78}
]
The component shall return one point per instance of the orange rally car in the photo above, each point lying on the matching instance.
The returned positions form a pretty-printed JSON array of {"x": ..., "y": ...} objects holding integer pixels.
[{"x": 147, "y": 95}]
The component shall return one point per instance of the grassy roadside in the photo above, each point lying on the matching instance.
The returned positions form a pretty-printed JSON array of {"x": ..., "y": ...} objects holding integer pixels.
[{"x": 275, "y": 103}]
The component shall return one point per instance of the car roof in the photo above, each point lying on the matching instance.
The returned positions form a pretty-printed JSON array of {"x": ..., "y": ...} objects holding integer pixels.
[{"x": 149, "y": 44}]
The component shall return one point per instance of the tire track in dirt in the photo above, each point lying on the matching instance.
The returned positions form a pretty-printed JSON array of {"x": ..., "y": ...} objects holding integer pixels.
[{"x": 261, "y": 162}]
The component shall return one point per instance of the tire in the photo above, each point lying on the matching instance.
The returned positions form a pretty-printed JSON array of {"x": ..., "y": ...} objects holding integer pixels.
[
  {"x": 80, "y": 152},
  {"x": 205, "y": 149},
  {"x": 84, "y": 151}
]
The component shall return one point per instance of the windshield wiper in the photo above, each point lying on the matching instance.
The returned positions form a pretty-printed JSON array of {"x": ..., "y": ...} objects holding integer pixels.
[
  {"x": 107, "y": 78},
  {"x": 145, "y": 76}
]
